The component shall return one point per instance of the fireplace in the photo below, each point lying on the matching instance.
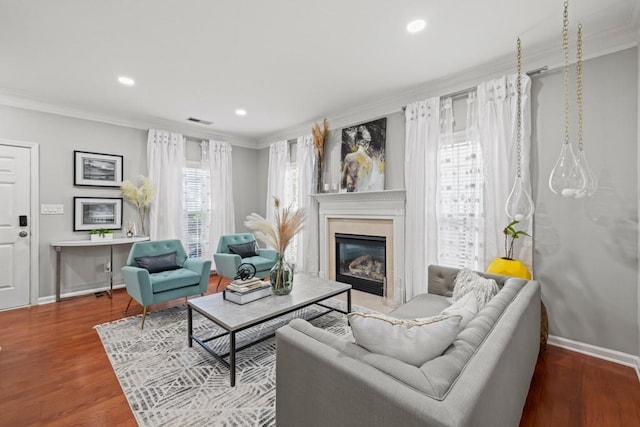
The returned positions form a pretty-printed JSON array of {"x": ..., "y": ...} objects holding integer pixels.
[{"x": 361, "y": 261}]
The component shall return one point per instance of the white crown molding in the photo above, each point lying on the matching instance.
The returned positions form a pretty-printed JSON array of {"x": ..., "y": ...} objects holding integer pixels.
[
  {"x": 598, "y": 352},
  {"x": 17, "y": 99},
  {"x": 549, "y": 55}
]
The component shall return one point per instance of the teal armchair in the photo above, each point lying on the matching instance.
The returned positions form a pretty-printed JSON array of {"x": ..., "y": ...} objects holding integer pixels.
[
  {"x": 167, "y": 274},
  {"x": 227, "y": 262}
]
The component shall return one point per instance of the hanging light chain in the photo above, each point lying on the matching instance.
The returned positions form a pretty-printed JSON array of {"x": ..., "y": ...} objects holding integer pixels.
[
  {"x": 565, "y": 47},
  {"x": 579, "y": 84},
  {"x": 519, "y": 107}
]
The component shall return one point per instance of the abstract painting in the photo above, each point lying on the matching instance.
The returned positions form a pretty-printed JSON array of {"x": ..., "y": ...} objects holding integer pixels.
[{"x": 363, "y": 157}]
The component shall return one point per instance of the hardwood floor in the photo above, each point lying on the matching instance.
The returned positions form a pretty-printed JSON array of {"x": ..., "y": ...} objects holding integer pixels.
[{"x": 54, "y": 372}]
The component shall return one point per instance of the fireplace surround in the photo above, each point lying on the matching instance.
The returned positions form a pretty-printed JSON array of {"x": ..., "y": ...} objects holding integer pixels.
[{"x": 376, "y": 213}]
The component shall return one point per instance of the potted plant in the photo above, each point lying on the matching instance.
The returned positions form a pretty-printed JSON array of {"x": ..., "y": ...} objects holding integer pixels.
[
  {"x": 507, "y": 265},
  {"x": 101, "y": 234}
]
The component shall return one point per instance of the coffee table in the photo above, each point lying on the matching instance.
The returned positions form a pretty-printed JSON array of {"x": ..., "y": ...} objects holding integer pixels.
[{"x": 233, "y": 318}]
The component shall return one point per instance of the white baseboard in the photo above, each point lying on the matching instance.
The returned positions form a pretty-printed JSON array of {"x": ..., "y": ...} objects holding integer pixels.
[
  {"x": 52, "y": 298},
  {"x": 599, "y": 352}
]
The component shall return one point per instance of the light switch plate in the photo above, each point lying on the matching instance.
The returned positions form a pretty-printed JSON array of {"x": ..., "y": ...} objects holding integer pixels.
[{"x": 52, "y": 209}]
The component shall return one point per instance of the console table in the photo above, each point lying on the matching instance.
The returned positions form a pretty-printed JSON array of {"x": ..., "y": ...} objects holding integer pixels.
[{"x": 76, "y": 243}]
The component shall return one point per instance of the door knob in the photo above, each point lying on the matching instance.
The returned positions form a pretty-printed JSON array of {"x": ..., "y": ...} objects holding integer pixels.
[{"x": 23, "y": 234}]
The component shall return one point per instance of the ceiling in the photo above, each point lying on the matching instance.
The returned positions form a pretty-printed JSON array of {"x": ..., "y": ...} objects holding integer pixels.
[{"x": 287, "y": 62}]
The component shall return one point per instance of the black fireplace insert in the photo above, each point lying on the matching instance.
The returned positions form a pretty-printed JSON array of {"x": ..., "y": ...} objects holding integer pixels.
[{"x": 361, "y": 261}]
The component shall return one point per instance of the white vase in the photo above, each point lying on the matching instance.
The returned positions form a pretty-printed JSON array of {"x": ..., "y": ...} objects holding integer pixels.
[{"x": 101, "y": 237}]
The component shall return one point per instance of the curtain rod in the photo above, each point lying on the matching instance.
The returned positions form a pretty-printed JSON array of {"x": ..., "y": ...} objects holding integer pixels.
[{"x": 462, "y": 92}]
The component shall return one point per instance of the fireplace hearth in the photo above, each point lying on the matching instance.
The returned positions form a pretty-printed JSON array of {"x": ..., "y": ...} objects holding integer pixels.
[{"x": 361, "y": 261}]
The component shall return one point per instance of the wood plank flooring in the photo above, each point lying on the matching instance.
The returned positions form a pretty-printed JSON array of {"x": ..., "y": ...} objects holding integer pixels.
[{"x": 54, "y": 372}]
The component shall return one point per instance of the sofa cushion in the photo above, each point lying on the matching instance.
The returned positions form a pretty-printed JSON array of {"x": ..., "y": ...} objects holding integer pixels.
[
  {"x": 411, "y": 341},
  {"x": 157, "y": 263},
  {"x": 245, "y": 250},
  {"x": 261, "y": 263},
  {"x": 469, "y": 281},
  {"x": 422, "y": 305},
  {"x": 467, "y": 307},
  {"x": 168, "y": 280}
]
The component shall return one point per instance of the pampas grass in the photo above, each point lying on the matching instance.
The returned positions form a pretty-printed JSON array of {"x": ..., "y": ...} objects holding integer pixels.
[
  {"x": 140, "y": 197},
  {"x": 288, "y": 223},
  {"x": 320, "y": 137}
]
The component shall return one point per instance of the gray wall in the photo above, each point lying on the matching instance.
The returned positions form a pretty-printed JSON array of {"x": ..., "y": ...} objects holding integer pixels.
[
  {"x": 586, "y": 251},
  {"x": 58, "y": 136}
]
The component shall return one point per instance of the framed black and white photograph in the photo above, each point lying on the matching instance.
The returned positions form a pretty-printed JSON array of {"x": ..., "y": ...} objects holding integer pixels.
[
  {"x": 97, "y": 212},
  {"x": 96, "y": 169}
]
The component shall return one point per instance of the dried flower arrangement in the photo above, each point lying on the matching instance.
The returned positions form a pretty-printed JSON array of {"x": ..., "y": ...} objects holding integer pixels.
[
  {"x": 288, "y": 223},
  {"x": 140, "y": 197},
  {"x": 320, "y": 136}
]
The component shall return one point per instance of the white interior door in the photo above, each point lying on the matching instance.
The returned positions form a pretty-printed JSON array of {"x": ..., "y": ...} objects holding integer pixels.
[{"x": 15, "y": 239}]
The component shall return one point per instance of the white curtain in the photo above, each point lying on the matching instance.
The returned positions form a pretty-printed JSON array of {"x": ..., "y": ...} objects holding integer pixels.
[
  {"x": 166, "y": 162},
  {"x": 278, "y": 159},
  {"x": 497, "y": 131},
  {"x": 216, "y": 157},
  {"x": 305, "y": 162},
  {"x": 422, "y": 130}
]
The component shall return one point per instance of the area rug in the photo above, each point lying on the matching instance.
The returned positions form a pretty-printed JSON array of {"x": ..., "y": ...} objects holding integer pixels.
[{"x": 168, "y": 383}]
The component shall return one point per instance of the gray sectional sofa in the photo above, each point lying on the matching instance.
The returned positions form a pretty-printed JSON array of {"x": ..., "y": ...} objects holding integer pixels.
[{"x": 482, "y": 379}]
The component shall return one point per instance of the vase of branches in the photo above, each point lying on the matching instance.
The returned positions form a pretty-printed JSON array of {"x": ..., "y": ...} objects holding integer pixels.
[
  {"x": 139, "y": 196},
  {"x": 320, "y": 136},
  {"x": 288, "y": 222}
]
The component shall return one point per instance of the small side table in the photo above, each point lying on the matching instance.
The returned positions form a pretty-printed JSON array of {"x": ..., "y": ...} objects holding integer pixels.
[{"x": 57, "y": 246}]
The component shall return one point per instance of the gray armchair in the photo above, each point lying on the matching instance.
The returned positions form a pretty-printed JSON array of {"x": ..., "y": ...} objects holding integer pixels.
[{"x": 236, "y": 249}]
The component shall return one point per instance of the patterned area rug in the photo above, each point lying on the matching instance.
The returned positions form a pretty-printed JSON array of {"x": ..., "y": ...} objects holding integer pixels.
[{"x": 169, "y": 384}]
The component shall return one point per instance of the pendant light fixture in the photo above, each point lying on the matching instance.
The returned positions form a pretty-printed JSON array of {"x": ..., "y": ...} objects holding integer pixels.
[
  {"x": 519, "y": 206},
  {"x": 591, "y": 182},
  {"x": 567, "y": 178}
]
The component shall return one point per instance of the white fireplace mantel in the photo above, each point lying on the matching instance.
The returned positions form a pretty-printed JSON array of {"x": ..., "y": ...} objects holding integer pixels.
[{"x": 387, "y": 204}]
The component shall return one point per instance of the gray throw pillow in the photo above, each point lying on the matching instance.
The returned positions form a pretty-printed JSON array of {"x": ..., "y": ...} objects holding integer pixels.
[
  {"x": 412, "y": 341},
  {"x": 245, "y": 250},
  {"x": 158, "y": 263}
]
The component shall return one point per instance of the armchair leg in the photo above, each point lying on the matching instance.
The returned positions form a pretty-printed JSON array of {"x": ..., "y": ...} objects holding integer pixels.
[
  {"x": 218, "y": 285},
  {"x": 128, "y": 305},
  {"x": 144, "y": 316}
]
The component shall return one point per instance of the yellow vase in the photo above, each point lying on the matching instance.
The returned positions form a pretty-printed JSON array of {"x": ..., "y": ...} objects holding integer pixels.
[{"x": 509, "y": 267}]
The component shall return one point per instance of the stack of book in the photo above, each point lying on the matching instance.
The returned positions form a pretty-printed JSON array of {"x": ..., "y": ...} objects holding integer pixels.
[{"x": 244, "y": 291}]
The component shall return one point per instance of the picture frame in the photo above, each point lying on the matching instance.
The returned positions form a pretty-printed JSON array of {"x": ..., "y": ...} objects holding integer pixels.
[
  {"x": 97, "y": 169},
  {"x": 97, "y": 212},
  {"x": 362, "y": 155}
]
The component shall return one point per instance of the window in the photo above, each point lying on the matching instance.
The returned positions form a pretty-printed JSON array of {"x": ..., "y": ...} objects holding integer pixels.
[
  {"x": 291, "y": 200},
  {"x": 196, "y": 210},
  {"x": 460, "y": 200}
]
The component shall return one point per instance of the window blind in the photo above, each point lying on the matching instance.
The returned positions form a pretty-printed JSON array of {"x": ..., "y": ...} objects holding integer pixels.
[{"x": 196, "y": 211}]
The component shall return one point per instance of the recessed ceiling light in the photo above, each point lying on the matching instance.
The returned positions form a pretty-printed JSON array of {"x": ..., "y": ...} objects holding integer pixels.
[
  {"x": 416, "y": 26},
  {"x": 127, "y": 81},
  {"x": 241, "y": 112}
]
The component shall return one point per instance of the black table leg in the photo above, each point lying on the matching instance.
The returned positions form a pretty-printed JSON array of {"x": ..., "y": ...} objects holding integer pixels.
[
  {"x": 232, "y": 357},
  {"x": 349, "y": 301},
  {"x": 190, "y": 325}
]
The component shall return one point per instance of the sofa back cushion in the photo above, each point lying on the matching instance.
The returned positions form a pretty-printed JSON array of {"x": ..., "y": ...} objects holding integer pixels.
[
  {"x": 155, "y": 248},
  {"x": 442, "y": 279}
]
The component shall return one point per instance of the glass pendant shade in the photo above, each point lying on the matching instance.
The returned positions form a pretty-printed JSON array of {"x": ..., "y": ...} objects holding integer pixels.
[
  {"x": 590, "y": 180},
  {"x": 519, "y": 205},
  {"x": 567, "y": 179}
]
